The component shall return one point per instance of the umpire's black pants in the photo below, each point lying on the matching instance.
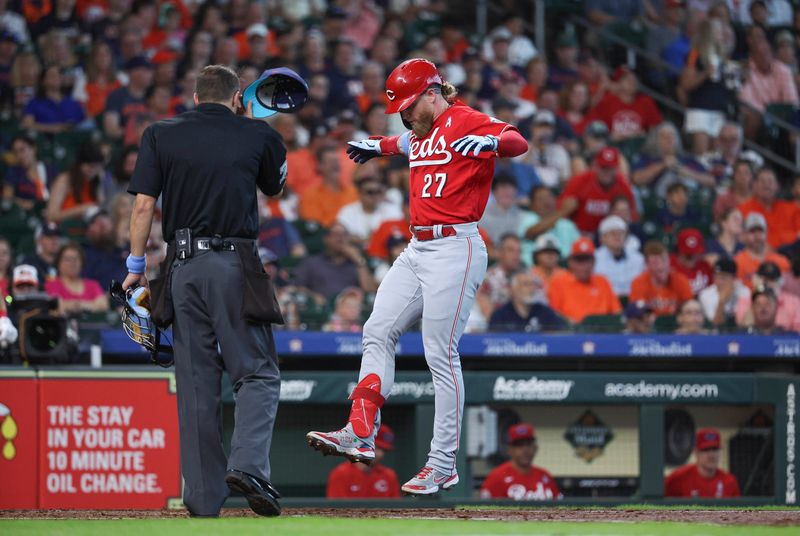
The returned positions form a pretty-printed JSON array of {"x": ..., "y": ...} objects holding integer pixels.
[{"x": 209, "y": 334}]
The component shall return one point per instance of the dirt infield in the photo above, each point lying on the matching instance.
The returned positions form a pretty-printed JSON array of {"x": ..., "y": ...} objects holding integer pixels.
[{"x": 722, "y": 517}]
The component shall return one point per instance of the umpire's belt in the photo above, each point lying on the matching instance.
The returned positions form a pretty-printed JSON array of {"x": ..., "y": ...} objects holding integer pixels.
[
  {"x": 215, "y": 243},
  {"x": 423, "y": 234}
]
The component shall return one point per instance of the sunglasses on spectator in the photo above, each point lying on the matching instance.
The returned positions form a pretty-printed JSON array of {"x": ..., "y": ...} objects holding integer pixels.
[{"x": 372, "y": 191}]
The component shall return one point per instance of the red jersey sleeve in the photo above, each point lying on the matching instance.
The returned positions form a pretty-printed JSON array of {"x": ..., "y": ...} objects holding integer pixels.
[
  {"x": 492, "y": 486},
  {"x": 672, "y": 484},
  {"x": 480, "y": 124},
  {"x": 337, "y": 483}
]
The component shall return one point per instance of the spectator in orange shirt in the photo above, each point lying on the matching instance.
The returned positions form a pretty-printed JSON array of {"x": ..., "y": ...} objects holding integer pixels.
[
  {"x": 322, "y": 203},
  {"x": 783, "y": 217},
  {"x": 579, "y": 292},
  {"x": 361, "y": 481},
  {"x": 756, "y": 250},
  {"x": 662, "y": 288}
]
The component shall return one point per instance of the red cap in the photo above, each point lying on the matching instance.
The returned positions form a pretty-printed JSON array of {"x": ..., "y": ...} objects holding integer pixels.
[
  {"x": 163, "y": 56},
  {"x": 582, "y": 246},
  {"x": 619, "y": 72},
  {"x": 670, "y": 4},
  {"x": 690, "y": 242},
  {"x": 608, "y": 157},
  {"x": 521, "y": 431},
  {"x": 385, "y": 438},
  {"x": 707, "y": 438},
  {"x": 408, "y": 81}
]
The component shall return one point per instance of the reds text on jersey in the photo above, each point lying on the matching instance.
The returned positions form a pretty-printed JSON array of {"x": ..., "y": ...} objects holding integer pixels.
[
  {"x": 506, "y": 482},
  {"x": 446, "y": 187},
  {"x": 347, "y": 481}
]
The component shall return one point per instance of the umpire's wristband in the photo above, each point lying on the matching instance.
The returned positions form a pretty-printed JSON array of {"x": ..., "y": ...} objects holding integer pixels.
[{"x": 136, "y": 265}]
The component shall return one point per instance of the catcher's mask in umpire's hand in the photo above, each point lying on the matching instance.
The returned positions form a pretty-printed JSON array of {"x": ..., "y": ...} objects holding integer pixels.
[
  {"x": 276, "y": 90},
  {"x": 137, "y": 323}
]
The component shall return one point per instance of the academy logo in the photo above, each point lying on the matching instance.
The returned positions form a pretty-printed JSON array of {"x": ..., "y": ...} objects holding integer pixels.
[
  {"x": 415, "y": 390},
  {"x": 420, "y": 152},
  {"x": 296, "y": 390},
  {"x": 531, "y": 389}
]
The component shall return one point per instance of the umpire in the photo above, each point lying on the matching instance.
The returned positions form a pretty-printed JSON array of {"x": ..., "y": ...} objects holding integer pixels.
[{"x": 207, "y": 164}]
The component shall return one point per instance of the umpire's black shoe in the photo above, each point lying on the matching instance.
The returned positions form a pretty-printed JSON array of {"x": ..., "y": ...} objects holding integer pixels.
[{"x": 260, "y": 495}]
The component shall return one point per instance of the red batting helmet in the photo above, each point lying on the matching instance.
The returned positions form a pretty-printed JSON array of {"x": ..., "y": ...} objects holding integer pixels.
[{"x": 408, "y": 81}]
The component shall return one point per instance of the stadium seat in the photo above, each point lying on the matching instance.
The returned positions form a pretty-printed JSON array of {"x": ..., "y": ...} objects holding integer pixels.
[
  {"x": 665, "y": 324},
  {"x": 601, "y": 324}
]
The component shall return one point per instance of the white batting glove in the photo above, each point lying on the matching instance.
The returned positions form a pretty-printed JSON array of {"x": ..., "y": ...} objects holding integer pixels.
[
  {"x": 476, "y": 144},
  {"x": 361, "y": 151},
  {"x": 8, "y": 333}
]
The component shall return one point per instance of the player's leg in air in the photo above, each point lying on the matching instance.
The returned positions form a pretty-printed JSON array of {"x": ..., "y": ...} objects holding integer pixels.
[
  {"x": 398, "y": 304},
  {"x": 451, "y": 273}
]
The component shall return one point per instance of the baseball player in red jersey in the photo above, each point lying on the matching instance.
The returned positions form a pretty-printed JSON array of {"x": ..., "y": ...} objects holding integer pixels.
[
  {"x": 518, "y": 478},
  {"x": 704, "y": 478},
  {"x": 451, "y": 150},
  {"x": 362, "y": 481}
]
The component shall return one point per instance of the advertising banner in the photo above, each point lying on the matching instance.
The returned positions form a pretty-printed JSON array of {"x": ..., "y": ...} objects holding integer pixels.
[
  {"x": 18, "y": 440},
  {"x": 108, "y": 441}
]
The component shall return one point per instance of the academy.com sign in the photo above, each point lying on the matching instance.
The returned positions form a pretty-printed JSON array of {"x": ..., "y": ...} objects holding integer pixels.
[
  {"x": 531, "y": 389},
  {"x": 669, "y": 391}
]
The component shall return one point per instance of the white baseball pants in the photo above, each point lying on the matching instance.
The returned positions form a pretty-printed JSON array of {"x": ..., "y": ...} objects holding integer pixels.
[{"x": 435, "y": 280}]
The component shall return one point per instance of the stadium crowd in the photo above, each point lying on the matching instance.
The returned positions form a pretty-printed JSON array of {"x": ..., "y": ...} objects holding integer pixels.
[{"x": 622, "y": 216}]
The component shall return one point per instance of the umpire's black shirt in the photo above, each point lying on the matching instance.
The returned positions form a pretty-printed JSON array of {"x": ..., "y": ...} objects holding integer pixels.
[{"x": 207, "y": 164}]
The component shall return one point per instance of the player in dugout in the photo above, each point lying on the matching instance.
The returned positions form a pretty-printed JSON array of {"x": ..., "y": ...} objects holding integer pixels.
[
  {"x": 703, "y": 478},
  {"x": 518, "y": 478},
  {"x": 361, "y": 481}
]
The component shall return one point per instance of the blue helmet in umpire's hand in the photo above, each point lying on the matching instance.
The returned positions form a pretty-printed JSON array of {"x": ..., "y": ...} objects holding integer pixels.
[{"x": 276, "y": 90}]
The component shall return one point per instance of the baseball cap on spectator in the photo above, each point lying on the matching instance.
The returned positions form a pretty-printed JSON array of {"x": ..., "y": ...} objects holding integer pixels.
[
  {"x": 267, "y": 256},
  {"x": 48, "y": 229},
  {"x": 385, "y": 438},
  {"x": 596, "y": 129},
  {"x": 620, "y": 72},
  {"x": 755, "y": 220},
  {"x": 672, "y": 4},
  {"x": 763, "y": 290},
  {"x": 690, "y": 242},
  {"x": 335, "y": 12},
  {"x": 582, "y": 247},
  {"x": 521, "y": 432},
  {"x": 256, "y": 29},
  {"x": 612, "y": 223},
  {"x": 93, "y": 213},
  {"x": 637, "y": 309},
  {"x": 501, "y": 34},
  {"x": 164, "y": 56},
  {"x": 607, "y": 157},
  {"x": 501, "y": 103},
  {"x": 707, "y": 439},
  {"x": 395, "y": 239},
  {"x": 725, "y": 266},
  {"x": 544, "y": 117},
  {"x": 769, "y": 270},
  {"x": 471, "y": 53},
  {"x": 546, "y": 242},
  {"x": 8, "y": 37},
  {"x": 25, "y": 274},
  {"x": 567, "y": 39},
  {"x": 138, "y": 62}
]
